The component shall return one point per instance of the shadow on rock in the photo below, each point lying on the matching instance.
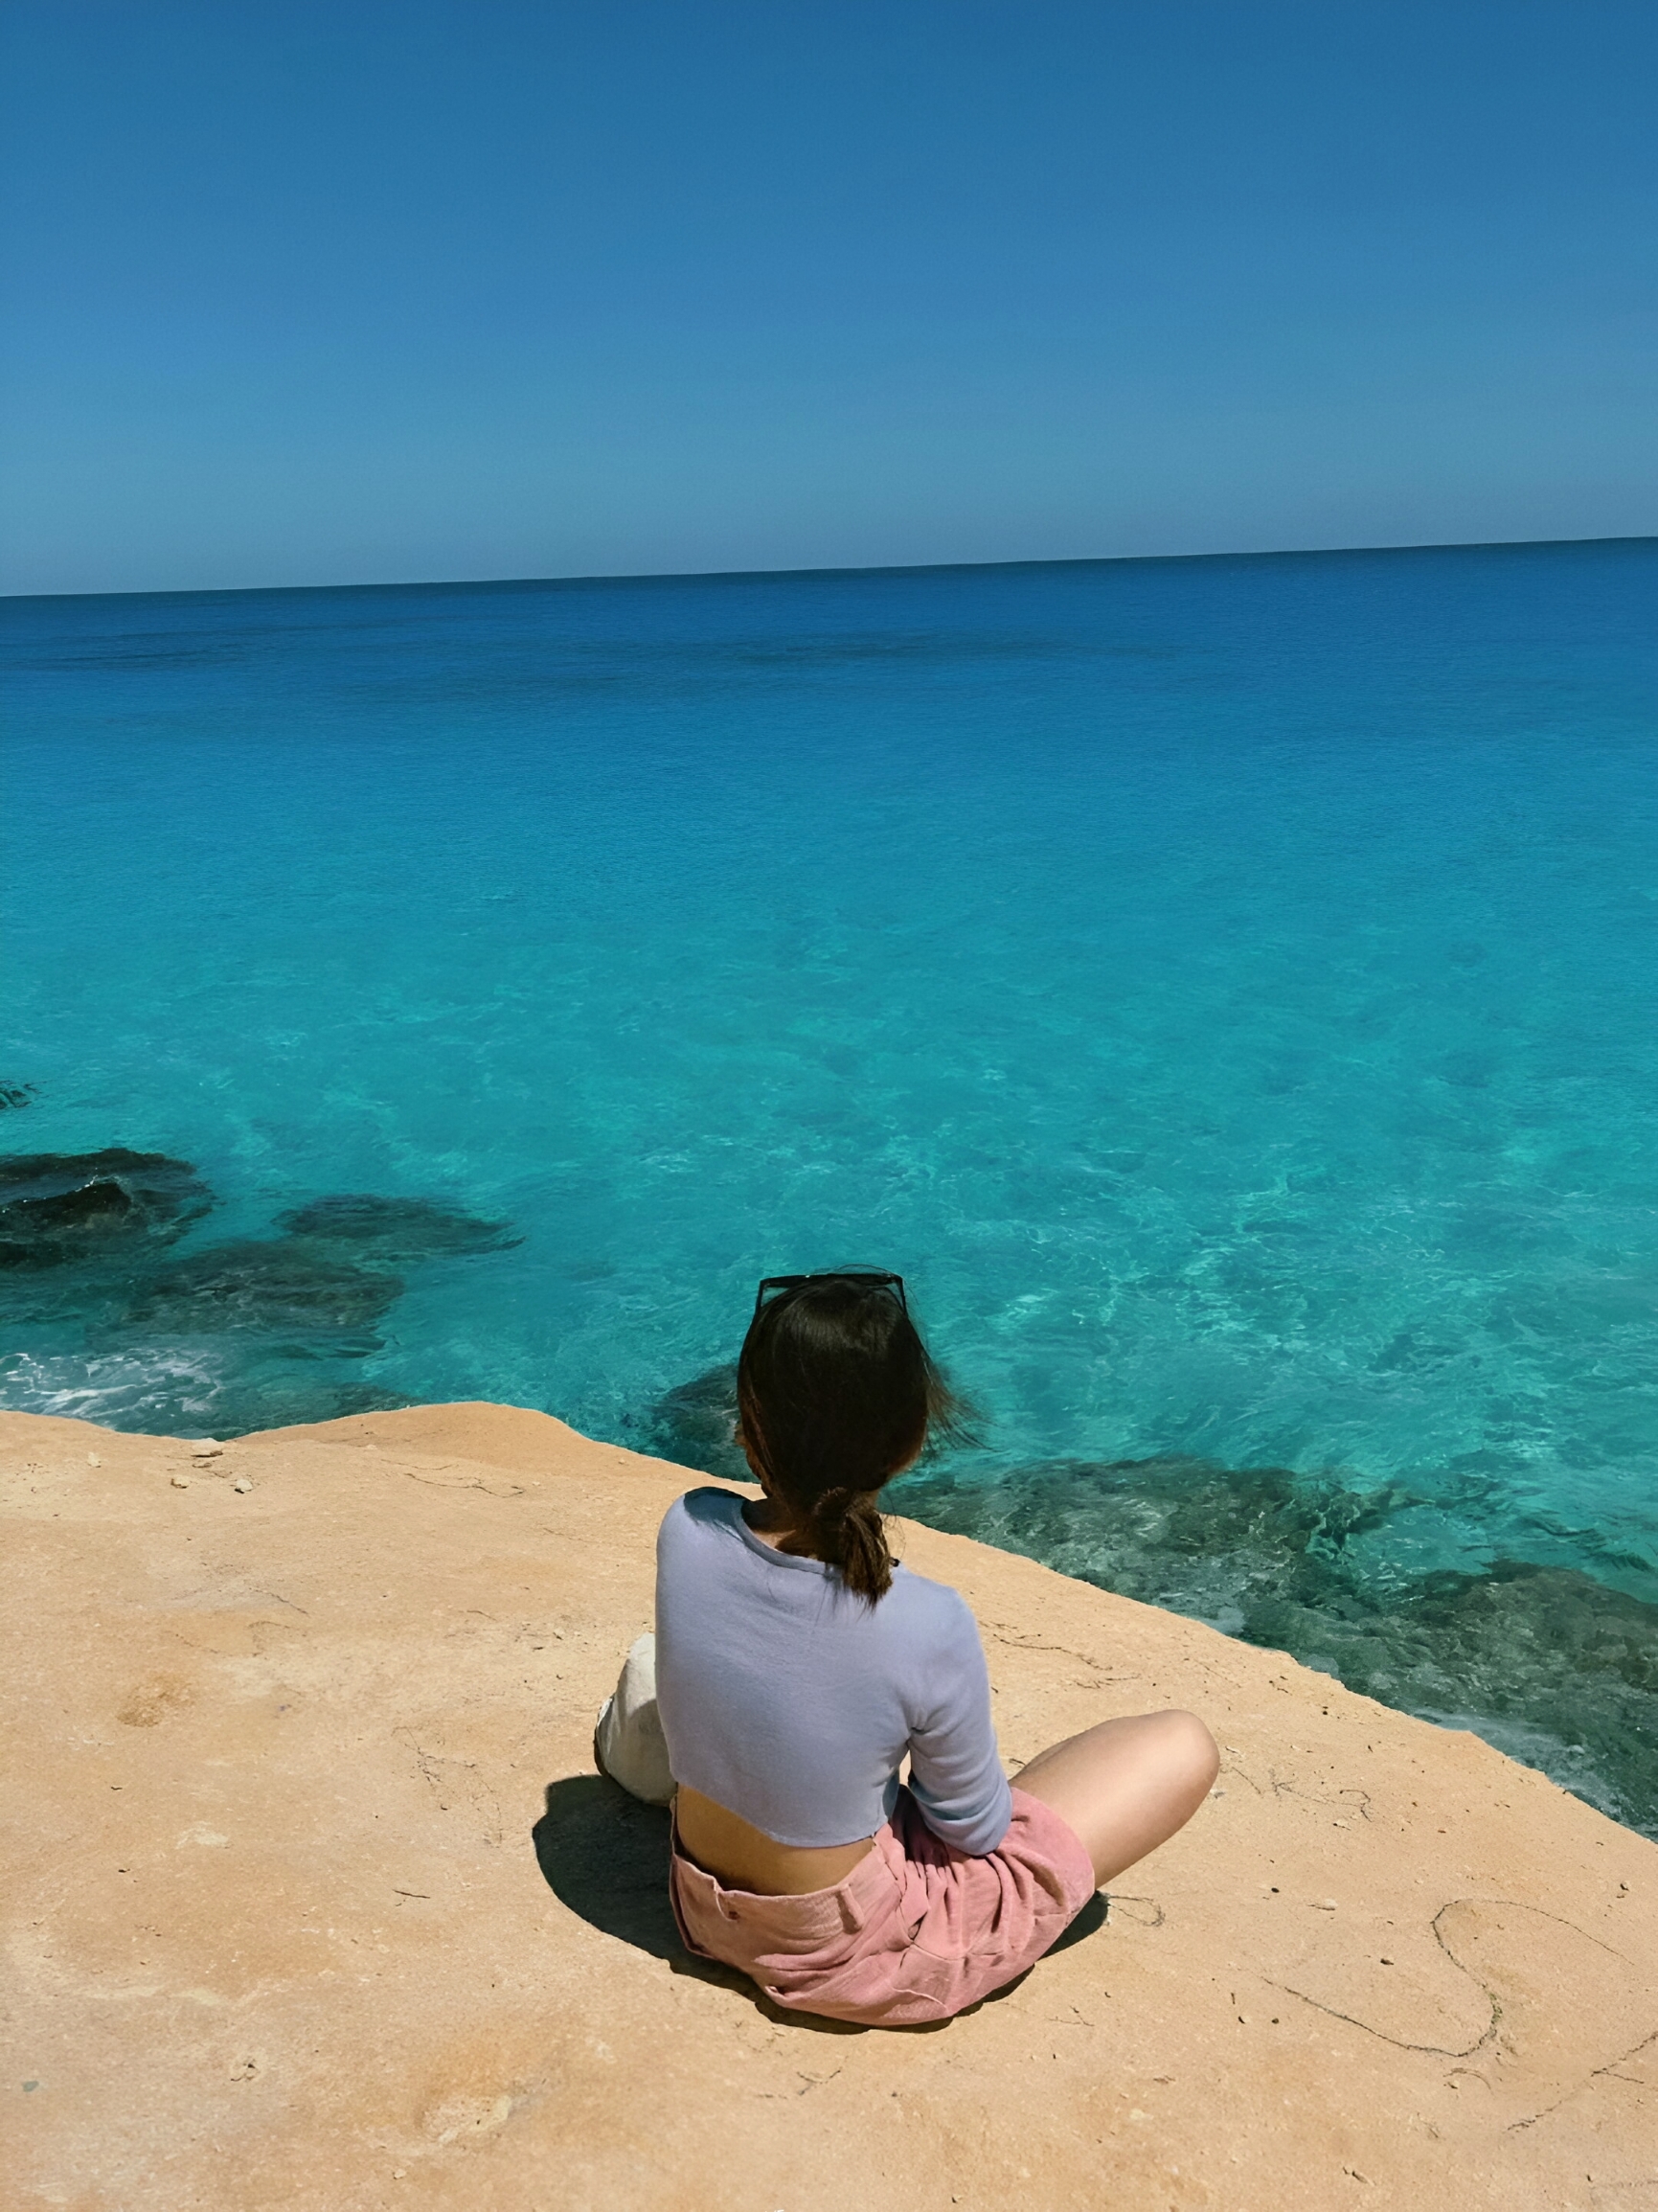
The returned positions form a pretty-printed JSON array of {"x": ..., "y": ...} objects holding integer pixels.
[
  {"x": 1088, "y": 1922},
  {"x": 605, "y": 1854}
]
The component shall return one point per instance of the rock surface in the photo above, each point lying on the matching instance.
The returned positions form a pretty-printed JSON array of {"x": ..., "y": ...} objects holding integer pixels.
[{"x": 312, "y": 1899}]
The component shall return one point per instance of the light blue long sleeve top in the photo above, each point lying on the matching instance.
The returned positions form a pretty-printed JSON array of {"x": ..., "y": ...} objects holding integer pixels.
[{"x": 793, "y": 1703}]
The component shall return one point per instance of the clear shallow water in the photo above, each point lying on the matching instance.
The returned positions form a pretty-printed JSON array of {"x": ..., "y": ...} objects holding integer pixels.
[{"x": 1225, "y": 988}]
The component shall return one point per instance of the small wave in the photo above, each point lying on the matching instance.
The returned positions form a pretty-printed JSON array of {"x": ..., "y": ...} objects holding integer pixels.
[
  {"x": 186, "y": 1389},
  {"x": 117, "y": 1390}
]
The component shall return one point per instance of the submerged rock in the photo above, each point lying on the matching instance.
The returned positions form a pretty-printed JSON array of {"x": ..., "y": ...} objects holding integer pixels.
[
  {"x": 101, "y": 1317},
  {"x": 291, "y": 1394},
  {"x": 395, "y": 1230},
  {"x": 280, "y": 1287},
  {"x": 57, "y": 1208},
  {"x": 695, "y": 1426},
  {"x": 1546, "y": 1661},
  {"x": 15, "y": 1094}
]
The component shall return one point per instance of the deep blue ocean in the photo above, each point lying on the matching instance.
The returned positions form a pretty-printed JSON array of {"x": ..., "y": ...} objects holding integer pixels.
[{"x": 1225, "y": 988}]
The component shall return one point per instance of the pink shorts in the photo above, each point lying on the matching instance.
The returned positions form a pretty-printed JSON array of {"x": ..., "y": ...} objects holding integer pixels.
[{"x": 915, "y": 1932}]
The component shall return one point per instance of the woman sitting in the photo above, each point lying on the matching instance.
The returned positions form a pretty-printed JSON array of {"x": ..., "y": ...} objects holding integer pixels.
[{"x": 798, "y": 1666}]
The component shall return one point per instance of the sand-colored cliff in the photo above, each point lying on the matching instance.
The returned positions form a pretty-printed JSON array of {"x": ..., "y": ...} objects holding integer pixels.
[{"x": 313, "y": 1901}]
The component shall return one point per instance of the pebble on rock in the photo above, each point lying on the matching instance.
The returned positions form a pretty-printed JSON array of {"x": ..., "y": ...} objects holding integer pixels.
[
  {"x": 242, "y": 1484},
  {"x": 181, "y": 1482}
]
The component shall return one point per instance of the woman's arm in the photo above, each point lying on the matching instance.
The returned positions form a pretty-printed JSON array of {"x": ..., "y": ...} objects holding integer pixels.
[{"x": 956, "y": 1774}]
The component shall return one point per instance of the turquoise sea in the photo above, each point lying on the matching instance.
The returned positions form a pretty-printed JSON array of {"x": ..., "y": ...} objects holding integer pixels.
[{"x": 1224, "y": 988}]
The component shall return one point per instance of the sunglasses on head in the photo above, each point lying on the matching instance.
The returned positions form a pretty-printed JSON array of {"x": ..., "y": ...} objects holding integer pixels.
[{"x": 867, "y": 1278}]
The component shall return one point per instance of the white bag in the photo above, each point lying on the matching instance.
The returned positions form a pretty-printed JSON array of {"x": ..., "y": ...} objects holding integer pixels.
[{"x": 628, "y": 1743}]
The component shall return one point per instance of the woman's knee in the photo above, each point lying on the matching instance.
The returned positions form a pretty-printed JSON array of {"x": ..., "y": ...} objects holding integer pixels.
[{"x": 1193, "y": 1755}]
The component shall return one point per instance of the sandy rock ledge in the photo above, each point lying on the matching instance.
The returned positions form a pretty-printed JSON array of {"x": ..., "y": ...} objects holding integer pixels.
[{"x": 313, "y": 1901}]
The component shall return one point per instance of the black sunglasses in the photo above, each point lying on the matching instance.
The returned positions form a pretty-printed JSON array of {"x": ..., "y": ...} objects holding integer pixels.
[{"x": 867, "y": 1278}]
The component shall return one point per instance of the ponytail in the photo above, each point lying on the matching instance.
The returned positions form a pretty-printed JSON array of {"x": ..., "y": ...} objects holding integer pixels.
[{"x": 849, "y": 1534}]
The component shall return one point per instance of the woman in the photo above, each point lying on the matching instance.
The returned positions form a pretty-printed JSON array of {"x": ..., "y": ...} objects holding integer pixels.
[{"x": 798, "y": 1666}]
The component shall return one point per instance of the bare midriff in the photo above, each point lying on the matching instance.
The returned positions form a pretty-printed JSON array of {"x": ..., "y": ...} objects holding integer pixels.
[{"x": 744, "y": 1857}]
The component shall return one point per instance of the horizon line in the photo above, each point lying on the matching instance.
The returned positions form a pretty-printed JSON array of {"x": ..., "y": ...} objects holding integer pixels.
[{"x": 869, "y": 569}]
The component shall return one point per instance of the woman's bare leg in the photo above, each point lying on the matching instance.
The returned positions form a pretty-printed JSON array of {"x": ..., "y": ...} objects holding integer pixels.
[{"x": 1126, "y": 1785}]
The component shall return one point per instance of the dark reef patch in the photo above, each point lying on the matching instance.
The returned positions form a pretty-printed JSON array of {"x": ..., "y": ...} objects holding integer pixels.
[
  {"x": 281, "y": 1287},
  {"x": 59, "y": 1209},
  {"x": 396, "y": 1232},
  {"x": 695, "y": 1426},
  {"x": 16, "y": 1094},
  {"x": 1547, "y": 1662},
  {"x": 104, "y": 1320}
]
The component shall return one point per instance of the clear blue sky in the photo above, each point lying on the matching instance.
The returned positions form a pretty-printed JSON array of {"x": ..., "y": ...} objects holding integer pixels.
[{"x": 333, "y": 293}]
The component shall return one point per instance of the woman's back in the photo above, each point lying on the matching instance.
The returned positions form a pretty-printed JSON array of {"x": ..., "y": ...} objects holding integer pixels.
[{"x": 792, "y": 1702}]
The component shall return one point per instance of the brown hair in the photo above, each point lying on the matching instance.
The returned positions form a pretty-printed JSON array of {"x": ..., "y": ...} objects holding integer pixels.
[{"x": 835, "y": 1394}]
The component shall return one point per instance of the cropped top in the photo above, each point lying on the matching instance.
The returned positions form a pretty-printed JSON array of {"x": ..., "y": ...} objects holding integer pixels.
[{"x": 793, "y": 1703}]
